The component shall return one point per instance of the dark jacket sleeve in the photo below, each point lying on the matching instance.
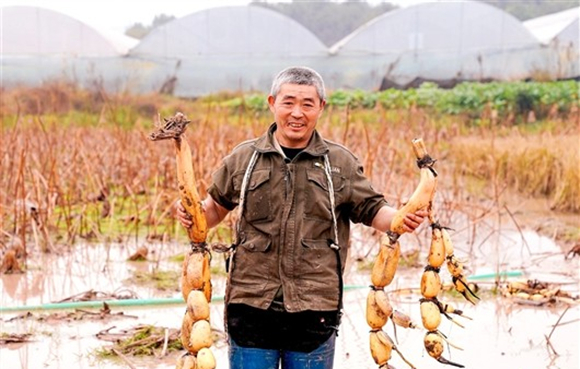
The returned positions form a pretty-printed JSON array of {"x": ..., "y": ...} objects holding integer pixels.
[
  {"x": 365, "y": 201},
  {"x": 222, "y": 189},
  {"x": 227, "y": 179}
]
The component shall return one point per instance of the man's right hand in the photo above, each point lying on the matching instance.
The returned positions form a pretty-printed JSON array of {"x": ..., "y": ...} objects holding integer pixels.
[
  {"x": 181, "y": 215},
  {"x": 213, "y": 212}
]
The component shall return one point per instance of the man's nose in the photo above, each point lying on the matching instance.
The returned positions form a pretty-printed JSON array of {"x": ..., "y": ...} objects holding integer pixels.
[{"x": 297, "y": 111}]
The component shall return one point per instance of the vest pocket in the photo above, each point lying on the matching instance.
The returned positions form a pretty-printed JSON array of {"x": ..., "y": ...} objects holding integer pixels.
[
  {"x": 255, "y": 242},
  {"x": 318, "y": 269},
  {"x": 252, "y": 261},
  {"x": 318, "y": 195},
  {"x": 258, "y": 203}
]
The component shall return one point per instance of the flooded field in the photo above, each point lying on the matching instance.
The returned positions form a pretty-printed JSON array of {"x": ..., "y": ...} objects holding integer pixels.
[
  {"x": 79, "y": 167},
  {"x": 504, "y": 333}
]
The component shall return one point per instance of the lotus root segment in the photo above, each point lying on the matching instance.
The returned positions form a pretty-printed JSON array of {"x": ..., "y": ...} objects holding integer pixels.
[{"x": 422, "y": 197}]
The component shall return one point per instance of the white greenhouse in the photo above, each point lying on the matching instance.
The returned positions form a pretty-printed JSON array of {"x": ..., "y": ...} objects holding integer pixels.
[
  {"x": 226, "y": 48},
  {"x": 29, "y": 31},
  {"x": 241, "y": 48},
  {"x": 40, "y": 45},
  {"x": 444, "y": 42},
  {"x": 560, "y": 32}
]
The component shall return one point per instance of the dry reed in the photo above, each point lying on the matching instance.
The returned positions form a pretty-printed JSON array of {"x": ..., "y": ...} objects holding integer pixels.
[{"x": 83, "y": 162}]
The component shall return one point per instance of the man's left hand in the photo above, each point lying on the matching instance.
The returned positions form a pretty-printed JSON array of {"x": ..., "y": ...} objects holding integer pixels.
[{"x": 413, "y": 221}]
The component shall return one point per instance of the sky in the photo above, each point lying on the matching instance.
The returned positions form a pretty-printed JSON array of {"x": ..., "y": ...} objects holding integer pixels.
[{"x": 118, "y": 15}]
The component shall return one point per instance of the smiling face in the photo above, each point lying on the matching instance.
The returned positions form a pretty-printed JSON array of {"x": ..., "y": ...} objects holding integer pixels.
[{"x": 296, "y": 110}]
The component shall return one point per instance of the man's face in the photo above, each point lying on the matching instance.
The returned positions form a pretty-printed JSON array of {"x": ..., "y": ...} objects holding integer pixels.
[{"x": 296, "y": 110}]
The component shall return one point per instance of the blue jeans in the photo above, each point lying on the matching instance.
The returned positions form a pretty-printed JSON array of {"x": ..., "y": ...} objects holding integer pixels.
[{"x": 255, "y": 358}]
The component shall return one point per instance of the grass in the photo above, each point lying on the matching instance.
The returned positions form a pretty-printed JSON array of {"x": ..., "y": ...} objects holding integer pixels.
[
  {"x": 164, "y": 280},
  {"x": 538, "y": 166},
  {"x": 144, "y": 340},
  {"x": 217, "y": 266}
]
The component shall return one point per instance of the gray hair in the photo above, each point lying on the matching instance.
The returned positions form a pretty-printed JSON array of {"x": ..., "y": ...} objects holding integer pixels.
[{"x": 299, "y": 76}]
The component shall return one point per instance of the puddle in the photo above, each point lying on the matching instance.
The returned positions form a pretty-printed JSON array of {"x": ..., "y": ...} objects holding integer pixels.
[{"x": 502, "y": 334}]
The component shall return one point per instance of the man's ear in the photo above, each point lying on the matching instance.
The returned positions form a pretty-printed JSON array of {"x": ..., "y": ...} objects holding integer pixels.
[{"x": 271, "y": 100}]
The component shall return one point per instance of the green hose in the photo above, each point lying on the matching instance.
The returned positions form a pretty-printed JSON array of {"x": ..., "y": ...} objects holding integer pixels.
[
  {"x": 479, "y": 277},
  {"x": 95, "y": 304},
  {"x": 112, "y": 303},
  {"x": 179, "y": 300}
]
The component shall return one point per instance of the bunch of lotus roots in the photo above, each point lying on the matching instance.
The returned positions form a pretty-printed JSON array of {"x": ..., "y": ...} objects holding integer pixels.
[
  {"x": 379, "y": 309},
  {"x": 196, "y": 334}
]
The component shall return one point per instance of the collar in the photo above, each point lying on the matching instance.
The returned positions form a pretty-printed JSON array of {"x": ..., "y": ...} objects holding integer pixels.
[{"x": 268, "y": 143}]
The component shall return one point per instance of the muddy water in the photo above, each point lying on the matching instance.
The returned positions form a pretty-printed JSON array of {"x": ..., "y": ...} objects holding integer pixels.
[{"x": 502, "y": 334}]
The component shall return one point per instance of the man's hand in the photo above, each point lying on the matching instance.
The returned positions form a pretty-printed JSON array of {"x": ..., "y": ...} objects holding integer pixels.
[
  {"x": 214, "y": 213},
  {"x": 181, "y": 215},
  {"x": 382, "y": 221},
  {"x": 414, "y": 220}
]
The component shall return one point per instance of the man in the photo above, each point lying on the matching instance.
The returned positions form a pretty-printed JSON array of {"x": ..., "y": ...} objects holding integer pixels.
[{"x": 298, "y": 194}]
